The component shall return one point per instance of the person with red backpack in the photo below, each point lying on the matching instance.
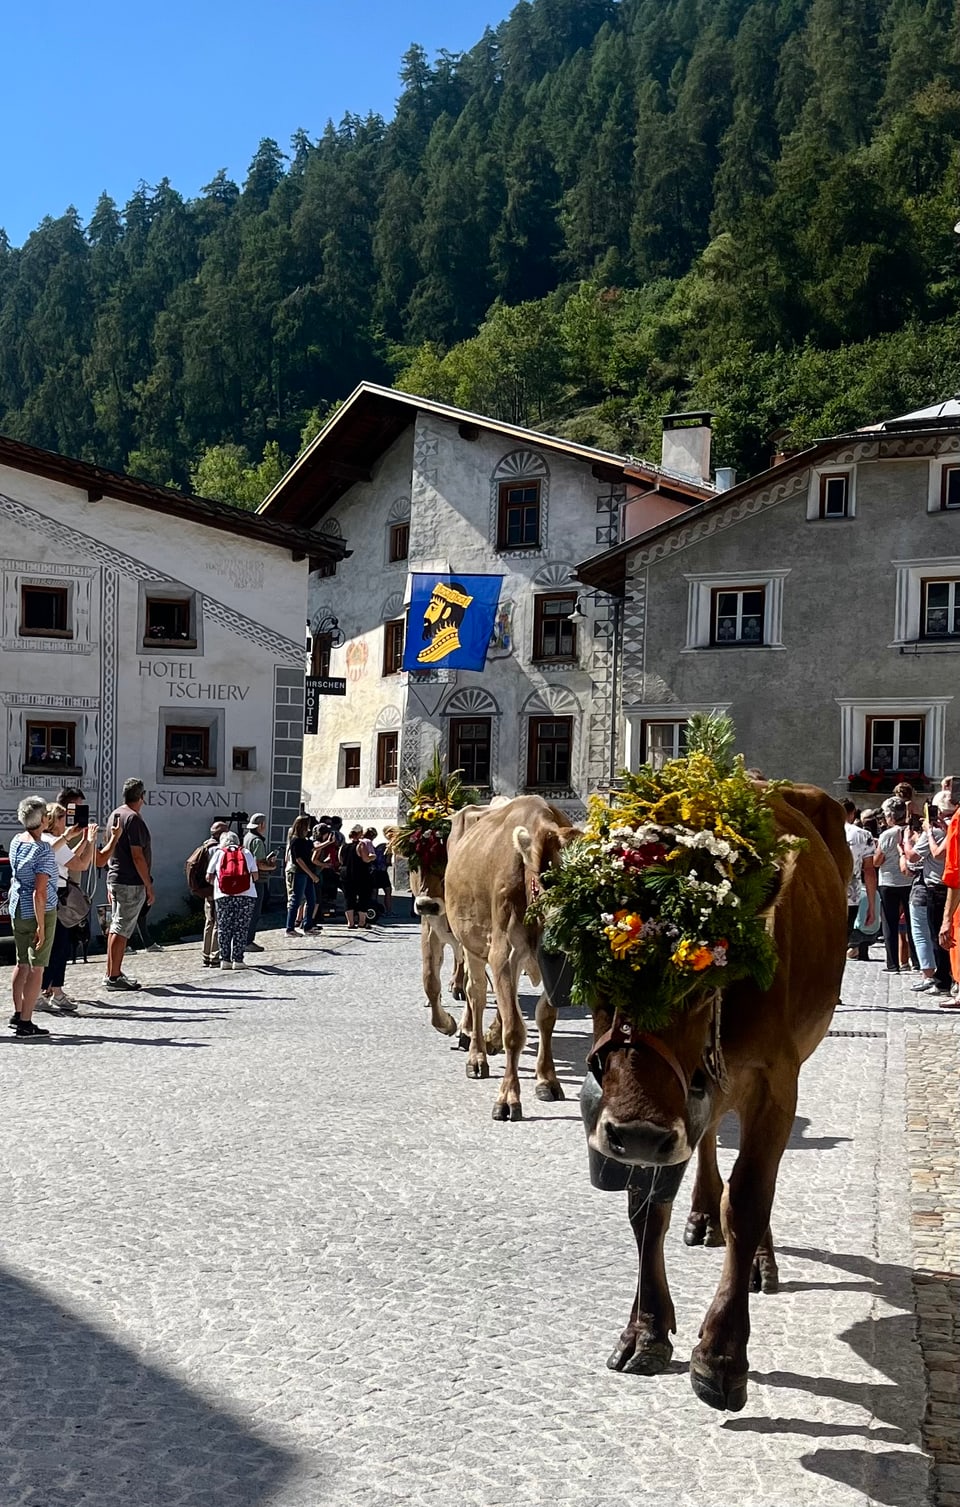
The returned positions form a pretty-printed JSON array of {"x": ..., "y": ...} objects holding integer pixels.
[
  {"x": 233, "y": 870},
  {"x": 195, "y": 870}
]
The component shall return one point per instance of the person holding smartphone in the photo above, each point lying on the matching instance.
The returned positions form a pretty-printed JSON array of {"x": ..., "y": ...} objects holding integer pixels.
[{"x": 74, "y": 849}]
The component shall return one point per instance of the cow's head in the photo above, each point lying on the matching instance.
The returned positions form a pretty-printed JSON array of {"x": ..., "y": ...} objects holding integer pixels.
[
  {"x": 647, "y": 1098},
  {"x": 427, "y": 890},
  {"x": 540, "y": 847}
]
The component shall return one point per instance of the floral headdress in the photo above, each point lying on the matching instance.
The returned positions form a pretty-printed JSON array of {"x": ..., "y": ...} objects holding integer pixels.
[
  {"x": 659, "y": 902},
  {"x": 422, "y": 837}
]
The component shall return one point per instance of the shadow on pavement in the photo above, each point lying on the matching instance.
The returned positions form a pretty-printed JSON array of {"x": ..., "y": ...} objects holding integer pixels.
[
  {"x": 87, "y": 1038},
  {"x": 86, "y": 1421},
  {"x": 889, "y": 1346}
]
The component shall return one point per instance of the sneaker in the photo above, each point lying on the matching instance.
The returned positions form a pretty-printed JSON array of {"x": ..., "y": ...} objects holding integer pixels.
[
  {"x": 254, "y": 947},
  {"x": 120, "y": 982},
  {"x": 63, "y": 1002},
  {"x": 14, "y": 1020},
  {"x": 925, "y": 986},
  {"x": 225, "y": 965},
  {"x": 27, "y": 1031},
  {"x": 211, "y": 962},
  {"x": 238, "y": 963}
]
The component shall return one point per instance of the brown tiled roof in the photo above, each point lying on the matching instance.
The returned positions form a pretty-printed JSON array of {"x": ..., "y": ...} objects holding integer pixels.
[
  {"x": 98, "y": 482},
  {"x": 374, "y": 417}
]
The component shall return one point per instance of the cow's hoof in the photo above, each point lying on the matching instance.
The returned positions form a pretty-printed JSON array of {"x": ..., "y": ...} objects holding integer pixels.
[
  {"x": 478, "y": 1070},
  {"x": 548, "y": 1091},
  {"x": 501, "y": 1111},
  {"x": 516, "y": 1112},
  {"x": 459, "y": 993},
  {"x": 640, "y": 1356},
  {"x": 463, "y": 1043},
  {"x": 716, "y": 1388},
  {"x": 764, "y": 1276},
  {"x": 695, "y": 1230},
  {"x": 702, "y": 1230},
  {"x": 493, "y": 1044},
  {"x": 446, "y": 1025}
]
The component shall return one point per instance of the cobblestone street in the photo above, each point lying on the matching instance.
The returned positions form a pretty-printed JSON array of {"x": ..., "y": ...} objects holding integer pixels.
[{"x": 263, "y": 1246}]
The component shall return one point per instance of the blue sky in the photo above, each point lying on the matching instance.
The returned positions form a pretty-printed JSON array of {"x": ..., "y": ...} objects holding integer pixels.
[{"x": 99, "y": 96}]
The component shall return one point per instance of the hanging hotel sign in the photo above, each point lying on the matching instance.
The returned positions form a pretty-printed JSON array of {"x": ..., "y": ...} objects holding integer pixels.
[{"x": 315, "y": 687}]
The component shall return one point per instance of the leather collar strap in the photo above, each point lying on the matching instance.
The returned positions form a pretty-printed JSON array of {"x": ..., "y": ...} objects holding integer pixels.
[{"x": 622, "y": 1036}]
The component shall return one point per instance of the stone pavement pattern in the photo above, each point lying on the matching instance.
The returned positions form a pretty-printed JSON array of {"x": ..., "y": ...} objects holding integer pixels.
[{"x": 263, "y": 1246}]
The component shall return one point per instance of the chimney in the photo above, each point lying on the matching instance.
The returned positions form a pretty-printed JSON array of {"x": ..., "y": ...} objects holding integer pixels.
[
  {"x": 726, "y": 478},
  {"x": 686, "y": 445}
]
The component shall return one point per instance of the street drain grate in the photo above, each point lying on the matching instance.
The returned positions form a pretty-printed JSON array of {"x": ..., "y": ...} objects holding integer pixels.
[{"x": 880, "y": 1034}]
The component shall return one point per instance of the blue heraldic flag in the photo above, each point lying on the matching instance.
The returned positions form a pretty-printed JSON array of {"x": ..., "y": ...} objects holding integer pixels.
[{"x": 450, "y": 621}]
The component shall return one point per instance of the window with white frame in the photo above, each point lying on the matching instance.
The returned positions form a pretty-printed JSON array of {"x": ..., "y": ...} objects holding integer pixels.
[
  {"x": 834, "y": 495},
  {"x": 894, "y": 745},
  {"x": 742, "y": 611},
  {"x": 663, "y": 741},
  {"x": 940, "y": 613},
  {"x": 943, "y": 486},
  {"x": 737, "y": 616},
  {"x": 902, "y": 736},
  {"x": 655, "y": 733},
  {"x": 927, "y": 612},
  {"x": 832, "y": 492}
]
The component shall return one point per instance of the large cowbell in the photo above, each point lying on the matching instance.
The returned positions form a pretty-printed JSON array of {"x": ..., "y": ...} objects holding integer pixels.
[{"x": 660, "y": 1184}]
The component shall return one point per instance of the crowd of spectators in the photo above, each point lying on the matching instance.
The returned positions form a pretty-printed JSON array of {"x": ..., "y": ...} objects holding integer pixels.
[{"x": 906, "y": 883}]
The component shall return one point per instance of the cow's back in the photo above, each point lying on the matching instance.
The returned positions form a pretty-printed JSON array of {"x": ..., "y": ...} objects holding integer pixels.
[
  {"x": 808, "y": 920},
  {"x": 485, "y": 886}
]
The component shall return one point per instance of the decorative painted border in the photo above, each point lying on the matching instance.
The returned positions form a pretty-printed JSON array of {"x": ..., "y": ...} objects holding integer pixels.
[{"x": 235, "y": 622}]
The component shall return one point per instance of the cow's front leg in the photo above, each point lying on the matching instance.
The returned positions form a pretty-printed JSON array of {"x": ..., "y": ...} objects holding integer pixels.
[
  {"x": 644, "y": 1347},
  {"x": 718, "y": 1367},
  {"x": 506, "y": 976},
  {"x": 477, "y": 1064},
  {"x": 548, "y": 1085},
  {"x": 703, "y": 1224},
  {"x": 431, "y": 957}
]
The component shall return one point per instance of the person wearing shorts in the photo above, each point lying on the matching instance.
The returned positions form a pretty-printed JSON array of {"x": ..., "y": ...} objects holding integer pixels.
[
  {"x": 129, "y": 884},
  {"x": 33, "y": 910}
]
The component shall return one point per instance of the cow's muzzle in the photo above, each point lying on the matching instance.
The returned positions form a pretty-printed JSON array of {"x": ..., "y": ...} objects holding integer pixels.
[
  {"x": 423, "y": 905},
  {"x": 621, "y": 1154}
]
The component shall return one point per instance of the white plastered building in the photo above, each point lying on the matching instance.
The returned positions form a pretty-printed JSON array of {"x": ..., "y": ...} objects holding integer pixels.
[
  {"x": 146, "y": 633},
  {"x": 418, "y": 486}
]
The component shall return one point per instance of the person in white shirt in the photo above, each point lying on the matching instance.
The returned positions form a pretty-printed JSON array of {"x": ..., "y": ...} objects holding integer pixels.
[
  {"x": 74, "y": 851},
  {"x": 863, "y": 880}
]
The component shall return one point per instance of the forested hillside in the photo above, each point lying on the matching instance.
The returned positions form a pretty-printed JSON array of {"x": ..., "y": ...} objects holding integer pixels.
[{"x": 602, "y": 211}]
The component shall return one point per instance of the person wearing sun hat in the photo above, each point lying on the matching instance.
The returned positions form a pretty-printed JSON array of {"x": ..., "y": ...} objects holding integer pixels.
[{"x": 254, "y": 840}]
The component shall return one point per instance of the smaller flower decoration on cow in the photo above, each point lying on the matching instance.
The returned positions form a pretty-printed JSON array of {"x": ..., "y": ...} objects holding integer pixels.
[
  {"x": 661, "y": 898},
  {"x": 422, "y": 837}
]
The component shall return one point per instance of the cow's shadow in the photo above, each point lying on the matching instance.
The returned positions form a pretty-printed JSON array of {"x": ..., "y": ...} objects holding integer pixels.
[
  {"x": 889, "y": 1346},
  {"x": 87, "y": 1418}
]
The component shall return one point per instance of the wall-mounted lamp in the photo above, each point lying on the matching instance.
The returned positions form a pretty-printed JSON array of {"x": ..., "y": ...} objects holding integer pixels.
[
  {"x": 328, "y": 627},
  {"x": 577, "y": 616}
]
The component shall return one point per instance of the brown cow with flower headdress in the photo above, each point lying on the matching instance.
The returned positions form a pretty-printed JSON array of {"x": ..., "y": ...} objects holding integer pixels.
[
  {"x": 652, "y": 1096},
  {"x": 496, "y": 860}
]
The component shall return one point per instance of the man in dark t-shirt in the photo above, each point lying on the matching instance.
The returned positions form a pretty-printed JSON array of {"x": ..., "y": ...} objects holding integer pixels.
[{"x": 129, "y": 884}]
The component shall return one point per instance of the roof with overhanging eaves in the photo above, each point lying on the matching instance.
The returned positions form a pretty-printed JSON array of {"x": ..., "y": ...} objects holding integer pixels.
[
  {"x": 374, "y": 417},
  {"x": 607, "y": 571},
  {"x": 98, "y": 482}
]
